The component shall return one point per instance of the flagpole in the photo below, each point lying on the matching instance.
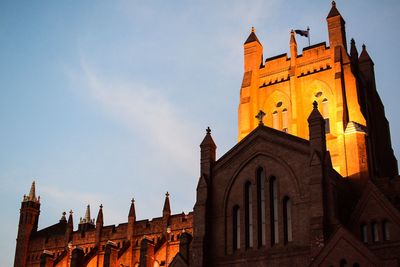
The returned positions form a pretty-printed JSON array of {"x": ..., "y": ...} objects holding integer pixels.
[{"x": 308, "y": 35}]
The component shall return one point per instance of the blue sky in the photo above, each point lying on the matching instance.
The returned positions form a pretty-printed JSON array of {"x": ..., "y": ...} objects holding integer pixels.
[{"x": 102, "y": 101}]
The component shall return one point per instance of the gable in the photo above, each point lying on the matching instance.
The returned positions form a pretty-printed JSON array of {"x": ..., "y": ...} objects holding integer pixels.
[
  {"x": 178, "y": 261},
  {"x": 344, "y": 247},
  {"x": 374, "y": 207}
]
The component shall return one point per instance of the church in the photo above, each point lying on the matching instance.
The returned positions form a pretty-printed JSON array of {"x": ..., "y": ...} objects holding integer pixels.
[{"x": 312, "y": 181}]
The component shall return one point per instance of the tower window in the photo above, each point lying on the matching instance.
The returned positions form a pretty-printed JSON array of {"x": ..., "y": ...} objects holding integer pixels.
[
  {"x": 287, "y": 220},
  {"x": 261, "y": 207},
  {"x": 249, "y": 215},
  {"x": 273, "y": 193},
  {"x": 236, "y": 228}
]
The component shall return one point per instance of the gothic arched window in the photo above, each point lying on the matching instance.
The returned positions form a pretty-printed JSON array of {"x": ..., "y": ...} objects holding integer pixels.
[
  {"x": 261, "y": 223},
  {"x": 287, "y": 220},
  {"x": 236, "y": 227},
  {"x": 248, "y": 215},
  {"x": 273, "y": 194}
]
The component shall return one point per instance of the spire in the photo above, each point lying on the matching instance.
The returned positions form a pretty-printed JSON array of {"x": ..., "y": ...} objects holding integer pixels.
[
  {"x": 334, "y": 12},
  {"x": 32, "y": 193},
  {"x": 167, "y": 208},
  {"x": 353, "y": 49},
  {"x": 87, "y": 215},
  {"x": 99, "y": 220},
  {"x": 354, "y": 54},
  {"x": 364, "y": 56},
  {"x": 252, "y": 37},
  {"x": 70, "y": 219},
  {"x": 208, "y": 141},
  {"x": 132, "y": 212}
]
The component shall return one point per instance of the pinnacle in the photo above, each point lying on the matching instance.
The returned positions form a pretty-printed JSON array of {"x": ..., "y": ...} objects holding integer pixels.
[
  {"x": 333, "y": 12},
  {"x": 252, "y": 37}
]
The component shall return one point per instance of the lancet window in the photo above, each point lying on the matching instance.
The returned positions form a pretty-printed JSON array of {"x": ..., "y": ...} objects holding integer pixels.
[{"x": 261, "y": 220}]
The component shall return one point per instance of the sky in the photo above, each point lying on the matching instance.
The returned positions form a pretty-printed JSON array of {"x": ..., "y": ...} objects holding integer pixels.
[{"x": 102, "y": 101}]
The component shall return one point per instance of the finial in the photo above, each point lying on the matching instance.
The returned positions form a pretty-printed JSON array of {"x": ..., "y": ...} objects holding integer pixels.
[
  {"x": 364, "y": 46},
  {"x": 71, "y": 212},
  {"x": 260, "y": 117},
  {"x": 352, "y": 41},
  {"x": 208, "y": 130},
  {"x": 253, "y": 29},
  {"x": 167, "y": 194},
  {"x": 64, "y": 213},
  {"x": 333, "y": 3},
  {"x": 101, "y": 206},
  {"x": 132, "y": 200},
  {"x": 315, "y": 104}
]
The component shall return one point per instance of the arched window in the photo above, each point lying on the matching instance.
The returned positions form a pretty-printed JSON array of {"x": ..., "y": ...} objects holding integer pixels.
[
  {"x": 236, "y": 228},
  {"x": 285, "y": 126},
  {"x": 343, "y": 263},
  {"x": 261, "y": 224},
  {"x": 386, "y": 230},
  {"x": 273, "y": 194},
  {"x": 325, "y": 114},
  {"x": 249, "y": 215},
  {"x": 374, "y": 231},
  {"x": 356, "y": 264},
  {"x": 275, "y": 120},
  {"x": 287, "y": 220},
  {"x": 364, "y": 233}
]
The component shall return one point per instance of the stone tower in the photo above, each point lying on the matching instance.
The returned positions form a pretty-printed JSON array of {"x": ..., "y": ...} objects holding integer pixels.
[
  {"x": 28, "y": 224},
  {"x": 343, "y": 85}
]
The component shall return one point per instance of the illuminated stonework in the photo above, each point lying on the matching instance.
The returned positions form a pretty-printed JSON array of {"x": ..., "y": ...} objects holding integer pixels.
[{"x": 342, "y": 83}]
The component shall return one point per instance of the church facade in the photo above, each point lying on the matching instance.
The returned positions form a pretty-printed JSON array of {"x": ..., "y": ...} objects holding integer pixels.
[{"x": 312, "y": 181}]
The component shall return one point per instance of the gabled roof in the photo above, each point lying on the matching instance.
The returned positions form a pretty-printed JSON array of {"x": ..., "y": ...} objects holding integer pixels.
[
  {"x": 372, "y": 193},
  {"x": 265, "y": 133},
  {"x": 53, "y": 230},
  {"x": 343, "y": 240},
  {"x": 179, "y": 261}
]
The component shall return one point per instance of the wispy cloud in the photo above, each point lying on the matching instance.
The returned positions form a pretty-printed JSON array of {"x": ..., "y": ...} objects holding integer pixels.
[{"x": 147, "y": 112}]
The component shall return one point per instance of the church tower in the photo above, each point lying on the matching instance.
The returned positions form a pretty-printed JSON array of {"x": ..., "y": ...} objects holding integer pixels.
[
  {"x": 28, "y": 224},
  {"x": 342, "y": 84}
]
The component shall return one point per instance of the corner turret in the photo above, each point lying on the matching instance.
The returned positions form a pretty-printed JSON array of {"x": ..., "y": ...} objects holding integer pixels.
[
  {"x": 28, "y": 224},
  {"x": 253, "y": 52},
  {"x": 316, "y": 125},
  {"x": 207, "y": 154},
  {"x": 336, "y": 28}
]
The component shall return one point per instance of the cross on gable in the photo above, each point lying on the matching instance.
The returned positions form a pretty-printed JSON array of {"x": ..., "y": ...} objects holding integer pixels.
[{"x": 260, "y": 117}]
